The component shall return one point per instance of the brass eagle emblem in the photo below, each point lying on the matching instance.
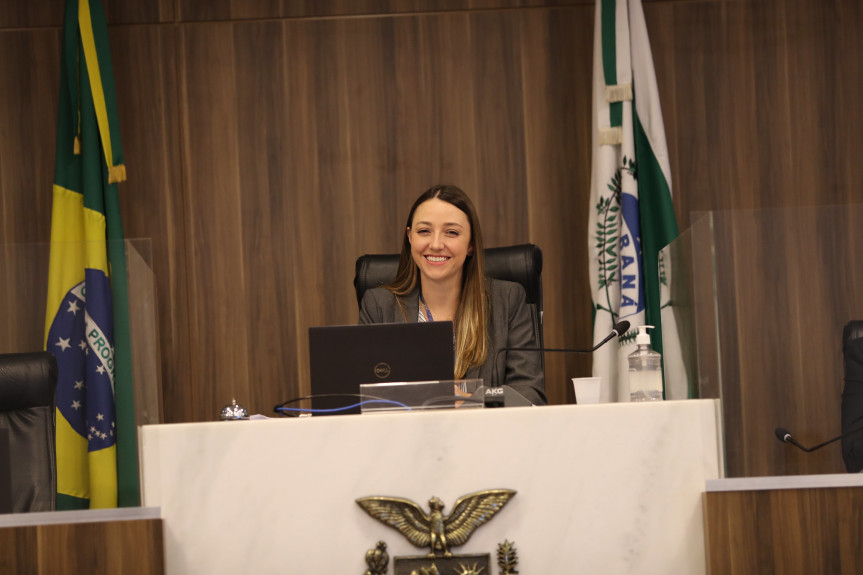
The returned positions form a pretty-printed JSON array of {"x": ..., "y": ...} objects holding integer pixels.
[{"x": 435, "y": 530}]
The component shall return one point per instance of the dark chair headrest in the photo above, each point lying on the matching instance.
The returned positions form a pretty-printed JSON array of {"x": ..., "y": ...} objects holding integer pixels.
[
  {"x": 374, "y": 270},
  {"x": 521, "y": 264},
  {"x": 853, "y": 330},
  {"x": 852, "y": 349},
  {"x": 27, "y": 380}
]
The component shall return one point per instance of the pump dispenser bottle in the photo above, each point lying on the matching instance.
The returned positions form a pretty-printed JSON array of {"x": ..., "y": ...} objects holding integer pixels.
[{"x": 645, "y": 369}]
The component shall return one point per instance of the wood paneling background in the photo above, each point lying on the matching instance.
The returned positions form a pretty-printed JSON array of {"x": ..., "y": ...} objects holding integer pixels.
[
  {"x": 269, "y": 143},
  {"x": 784, "y": 531},
  {"x": 97, "y": 548}
]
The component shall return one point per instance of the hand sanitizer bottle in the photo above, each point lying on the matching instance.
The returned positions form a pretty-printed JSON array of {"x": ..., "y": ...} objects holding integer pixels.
[{"x": 645, "y": 369}]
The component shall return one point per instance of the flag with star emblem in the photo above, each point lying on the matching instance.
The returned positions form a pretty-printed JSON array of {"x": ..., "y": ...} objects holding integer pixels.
[{"x": 87, "y": 318}]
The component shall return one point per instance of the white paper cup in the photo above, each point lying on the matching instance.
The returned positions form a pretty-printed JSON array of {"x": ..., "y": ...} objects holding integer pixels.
[{"x": 586, "y": 390}]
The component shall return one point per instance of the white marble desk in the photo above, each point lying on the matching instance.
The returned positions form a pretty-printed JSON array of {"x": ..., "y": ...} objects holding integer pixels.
[{"x": 601, "y": 488}]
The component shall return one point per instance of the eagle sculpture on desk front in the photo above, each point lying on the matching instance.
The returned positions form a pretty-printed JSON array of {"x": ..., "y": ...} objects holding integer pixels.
[{"x": 435, "y": 530}]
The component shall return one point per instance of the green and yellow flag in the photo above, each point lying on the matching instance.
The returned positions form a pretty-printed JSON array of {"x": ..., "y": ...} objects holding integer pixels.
[{"x": 87, "y": 318}]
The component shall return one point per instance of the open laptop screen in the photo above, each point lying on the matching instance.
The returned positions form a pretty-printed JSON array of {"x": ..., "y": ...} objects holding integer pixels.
[{"x": 343, "y": 357}]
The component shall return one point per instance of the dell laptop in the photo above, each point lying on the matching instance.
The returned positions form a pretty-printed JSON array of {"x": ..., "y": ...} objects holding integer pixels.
[{"x": 345, "y": 356}]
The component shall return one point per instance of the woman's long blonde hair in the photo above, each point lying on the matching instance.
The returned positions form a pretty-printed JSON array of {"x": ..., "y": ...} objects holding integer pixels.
[{"x": 471, "y": 317}]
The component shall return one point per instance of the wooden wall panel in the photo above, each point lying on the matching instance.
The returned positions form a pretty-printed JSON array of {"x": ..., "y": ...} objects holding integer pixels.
[
  {"x": 688, "y": 51},
  {"x": 145, "y": 62},
  {"x": 218, "y": 287},
  {"x": 98, "y": 548},
  {"x": 139, "y": 12},
  {"x": 436, "y": 132},
  {"x": 557, "y": 110},
  {"x": 498, "y": 119},
  {"x": 28, "y": 116},
  {"x": 845, "y": 116},
  {"x": 268, "y": 236},
  {"x": 31, "y": 14},
  {"x": 823, "y": 71},
  {"x": 783, "y": 531},
  {"x": 301, "y": 160},
  {"x": 28, "y": 124},
  {"x": 766, "y": 80},
  {"x": 49, "y": 13},
  {"x": 327, "y": 231}
]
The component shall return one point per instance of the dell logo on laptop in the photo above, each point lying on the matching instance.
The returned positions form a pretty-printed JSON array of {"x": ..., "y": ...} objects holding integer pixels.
[{"x": 382, "y": 370}]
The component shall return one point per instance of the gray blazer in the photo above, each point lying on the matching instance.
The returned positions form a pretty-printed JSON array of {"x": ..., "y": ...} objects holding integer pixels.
[{"x": 509, "y": 326}]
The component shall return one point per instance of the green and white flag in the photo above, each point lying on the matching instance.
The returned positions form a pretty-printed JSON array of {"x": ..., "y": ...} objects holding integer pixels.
[{"x": 631, "y": 215}]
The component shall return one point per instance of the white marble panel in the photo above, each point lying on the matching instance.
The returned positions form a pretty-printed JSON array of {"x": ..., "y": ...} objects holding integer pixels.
[{"x": 601, "y": 488}]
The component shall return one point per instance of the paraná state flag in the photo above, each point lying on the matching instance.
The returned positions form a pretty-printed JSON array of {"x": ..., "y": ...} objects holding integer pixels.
[{"x": 631, "y": 216}]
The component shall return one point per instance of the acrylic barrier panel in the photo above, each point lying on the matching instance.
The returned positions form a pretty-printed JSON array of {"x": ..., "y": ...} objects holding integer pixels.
[
  {"x": 422, "y": 395},
  {"x": 23, "y": 302},
  {"x": 144, "y": 326},
  {"x": 763, "y": 297},
  {"x": 689, "y": 307}
]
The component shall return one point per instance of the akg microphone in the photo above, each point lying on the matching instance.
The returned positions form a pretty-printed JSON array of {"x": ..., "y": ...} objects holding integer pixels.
[{"x": 784, "y": 436}]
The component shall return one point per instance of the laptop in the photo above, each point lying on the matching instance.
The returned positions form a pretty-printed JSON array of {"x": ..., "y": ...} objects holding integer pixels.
[{"x": 345, "y": 356}]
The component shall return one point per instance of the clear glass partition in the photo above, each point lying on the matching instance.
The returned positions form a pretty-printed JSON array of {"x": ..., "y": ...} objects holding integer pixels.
[
  {"x": 689, "y": 278},
  {"x": 760, "y": 298},
  {"x": 422, "y": 395},
  {"x": 23, "y": 298}
]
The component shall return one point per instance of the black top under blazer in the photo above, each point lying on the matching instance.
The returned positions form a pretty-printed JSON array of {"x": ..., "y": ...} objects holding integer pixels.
[{"x": 510, "y": 325}]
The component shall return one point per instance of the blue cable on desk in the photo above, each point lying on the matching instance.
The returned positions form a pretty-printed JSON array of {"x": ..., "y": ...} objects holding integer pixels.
[{"x": 345, "y": 408}]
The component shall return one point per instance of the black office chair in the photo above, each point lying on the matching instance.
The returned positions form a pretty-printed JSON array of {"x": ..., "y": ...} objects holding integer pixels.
[
  {"x": 521, "y": 264},
  {"x": 852, "y": 395},
  {"x": 27, "y": 385}
]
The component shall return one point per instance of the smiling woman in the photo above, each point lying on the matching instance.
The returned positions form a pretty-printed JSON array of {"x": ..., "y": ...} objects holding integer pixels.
[
  {"x": 441, "y": 277},
  {"x": 440, "y": 239}
]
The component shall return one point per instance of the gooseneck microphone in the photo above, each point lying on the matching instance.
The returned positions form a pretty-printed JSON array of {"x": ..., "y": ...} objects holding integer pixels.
[
  {"x": 619, "y": 329},
  {"x": 784, "y": 436}
]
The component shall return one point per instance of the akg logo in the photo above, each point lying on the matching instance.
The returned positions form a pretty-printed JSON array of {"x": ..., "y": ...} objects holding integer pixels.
[
  {"x": 494, "y": 391},
  {"x": 382, "y": 370}
]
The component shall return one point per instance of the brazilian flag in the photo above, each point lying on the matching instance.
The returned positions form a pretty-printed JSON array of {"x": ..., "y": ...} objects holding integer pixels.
[{"x": 87, "y": 318}]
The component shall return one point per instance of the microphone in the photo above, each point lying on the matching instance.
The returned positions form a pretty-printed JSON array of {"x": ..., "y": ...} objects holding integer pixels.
[
  {"x": 619, "y": 329},
  {"x": 784, "y": 436}
]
